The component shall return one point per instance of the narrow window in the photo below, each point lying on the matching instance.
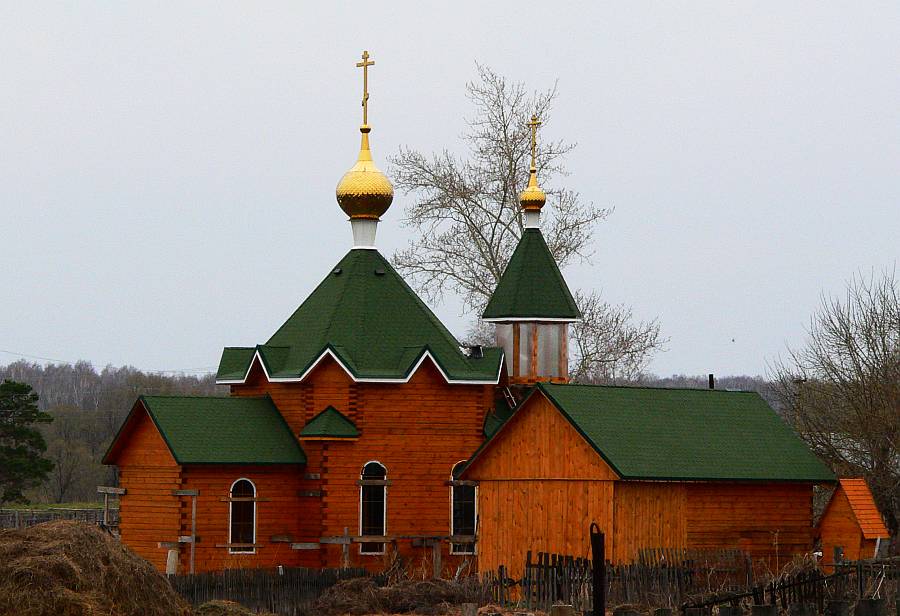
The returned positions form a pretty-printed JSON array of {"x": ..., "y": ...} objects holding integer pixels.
[
  {"x": 504, "y": 334},
  {"x": 462, "y": 516},
  {"x": 242, "y": 525},
  {"x": 550, "y": 349},
  {"x": 526, "y": 340},
  {"x": 372, "y": 506}
]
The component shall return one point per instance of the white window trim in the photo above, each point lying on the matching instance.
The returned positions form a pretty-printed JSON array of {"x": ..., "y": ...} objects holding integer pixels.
[
  {"x": 384, "y": 488},
  {"x": 231, "y": 505},
  {"x": 453, "y": 549}
]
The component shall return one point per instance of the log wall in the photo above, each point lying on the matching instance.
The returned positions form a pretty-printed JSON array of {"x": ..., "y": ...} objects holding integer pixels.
[
  {"x": 148, "y": 513},
  {"x": 419, "y": 430},
  {"x": 282, "y": 517}
]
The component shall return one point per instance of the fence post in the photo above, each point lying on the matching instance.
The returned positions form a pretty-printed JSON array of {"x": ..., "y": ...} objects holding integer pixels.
[{"x": 598, "y": 554}]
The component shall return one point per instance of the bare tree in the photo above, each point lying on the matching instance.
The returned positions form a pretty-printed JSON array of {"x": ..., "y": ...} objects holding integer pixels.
[
  {"x": 842, "y": 390},
  {"x": 468, "y": 221},
  {"x": 608, "y": 346}
]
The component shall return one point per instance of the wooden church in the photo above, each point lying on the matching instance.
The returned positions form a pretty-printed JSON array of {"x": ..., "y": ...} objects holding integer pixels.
[{"x": 362, "y": 432}]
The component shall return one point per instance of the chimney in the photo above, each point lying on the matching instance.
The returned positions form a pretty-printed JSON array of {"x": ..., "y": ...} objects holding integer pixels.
[{"x": 712, "y": 381}]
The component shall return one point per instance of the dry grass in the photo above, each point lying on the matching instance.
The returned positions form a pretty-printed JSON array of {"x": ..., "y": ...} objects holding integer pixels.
[
  {"x": 73, "y": 569},
  {"x": 362, "y": 596},
  {"x": 225, "y": 608}
]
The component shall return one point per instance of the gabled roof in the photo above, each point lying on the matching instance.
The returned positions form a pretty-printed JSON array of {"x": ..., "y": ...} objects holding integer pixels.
[
  {"x": 207, "y": 430},
  {"x": 330, "y": 423},
  {"x": 531, "y": 285},
  {"x": 371, "y": 322},
  {"x": 864, "y": 508},
  {"x": 682, "y": 434}
]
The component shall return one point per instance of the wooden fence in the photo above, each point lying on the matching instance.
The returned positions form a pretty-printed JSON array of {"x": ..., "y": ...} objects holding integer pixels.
[
  {"x": 23, "y": 518},
  {"x": 852, "y": 581},
  {"x": 287, "y": 591},
  {"x": 662, "y": 578},
  {"x": 699, "y": 580}
]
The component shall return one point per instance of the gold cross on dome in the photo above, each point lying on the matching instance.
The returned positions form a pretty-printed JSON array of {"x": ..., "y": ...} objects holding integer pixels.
[
  {"x": 364, "y": 65},
  {"x": 534, "y": 126}
]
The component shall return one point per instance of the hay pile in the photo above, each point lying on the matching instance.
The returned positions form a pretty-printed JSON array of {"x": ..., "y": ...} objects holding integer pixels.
[
  {"x": 226, "y": 608},
  {"x": 362, "y": 596},
  {"x": 71, "y": 568}
]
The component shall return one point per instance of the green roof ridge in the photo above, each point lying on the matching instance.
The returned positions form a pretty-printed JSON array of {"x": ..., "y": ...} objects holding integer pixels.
[
  {"x": 365, "y": 314},
  {"x": 330, "y": 423},
  {"x": 532, "y": 285}
]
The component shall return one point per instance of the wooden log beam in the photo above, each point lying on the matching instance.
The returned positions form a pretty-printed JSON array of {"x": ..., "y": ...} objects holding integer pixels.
[{"x": 110, "y": 490}]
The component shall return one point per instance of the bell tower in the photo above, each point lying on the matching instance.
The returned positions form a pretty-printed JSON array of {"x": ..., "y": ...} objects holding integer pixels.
[{"x": 532, "y": 305}]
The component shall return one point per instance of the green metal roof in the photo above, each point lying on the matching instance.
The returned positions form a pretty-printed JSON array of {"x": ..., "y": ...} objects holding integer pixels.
[
  {"x": 684, "y": 434},
  {"x": 330, "y": 423},
  {"x": 207, "y": 430},
  {"x": 371, "y": 321},
  {"x": 531, "y": 285}
]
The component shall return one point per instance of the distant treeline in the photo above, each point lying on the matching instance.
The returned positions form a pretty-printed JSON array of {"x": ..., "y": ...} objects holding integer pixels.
[
  {"x": 744, "y": 383},
  {"x": 89, "y": 405}
]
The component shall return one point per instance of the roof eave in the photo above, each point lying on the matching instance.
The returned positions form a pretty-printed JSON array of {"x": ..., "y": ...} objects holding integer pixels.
[
  {"x": 503, "y": 319},
  {"x": 329, "y": 351}
]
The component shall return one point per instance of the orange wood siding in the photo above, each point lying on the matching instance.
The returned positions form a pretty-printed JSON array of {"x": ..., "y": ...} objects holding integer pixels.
[
  {"x": 839, "y": 527},
  {"x": 648, "y": 514},
  {"x": 148, "y": 472},
  {"x": 532, "y": 476},
  {"x": 540, "y": 487},
  {"x": 280, "y": 511},
  {"x": 418, "y": 430},
  {"x": 142, "y": 444},
  {"x": 772, "y": 521},
  {"x": 539, "y": 443},
  {"x": 539, "y": 515}
]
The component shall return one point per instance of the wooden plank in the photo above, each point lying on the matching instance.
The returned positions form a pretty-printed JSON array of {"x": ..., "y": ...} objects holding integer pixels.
[{"x": 111, "y": 490}]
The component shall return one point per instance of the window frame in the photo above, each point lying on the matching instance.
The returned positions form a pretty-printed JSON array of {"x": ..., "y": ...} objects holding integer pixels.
[
  {"x": 455, "y": 547},
  {"x": 384, "y": 489},
  {"x": 232, "y": 550}
]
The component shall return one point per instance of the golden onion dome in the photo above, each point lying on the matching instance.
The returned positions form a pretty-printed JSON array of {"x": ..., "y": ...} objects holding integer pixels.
[
  {"x": 532, "y": 199},
  {"x": 364, "y": 191}
]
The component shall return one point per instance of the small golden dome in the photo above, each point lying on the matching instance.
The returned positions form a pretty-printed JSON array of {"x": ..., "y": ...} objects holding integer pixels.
[
  {"x": 364, "y": 191},
  {"x": 532, "y": 199}
]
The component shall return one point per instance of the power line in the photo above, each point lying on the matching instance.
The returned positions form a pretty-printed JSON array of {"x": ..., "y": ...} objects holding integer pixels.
[{"x": 186, "y": 371}]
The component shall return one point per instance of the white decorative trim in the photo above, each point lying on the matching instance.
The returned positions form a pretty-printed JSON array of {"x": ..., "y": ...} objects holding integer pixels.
[
  {"x": 532, "y": 319},
  {"x": 532, "y": 219},
  {"x": 327, "y": 351}
]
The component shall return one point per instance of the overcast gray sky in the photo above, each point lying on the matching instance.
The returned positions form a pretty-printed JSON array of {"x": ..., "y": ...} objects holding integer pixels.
[{"x": 167, "y": 171}]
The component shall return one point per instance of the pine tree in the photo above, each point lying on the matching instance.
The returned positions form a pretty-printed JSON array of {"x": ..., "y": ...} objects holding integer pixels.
[{"x": 22, "y": 465}]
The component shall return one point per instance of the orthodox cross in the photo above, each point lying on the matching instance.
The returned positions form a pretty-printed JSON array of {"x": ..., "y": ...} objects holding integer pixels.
[
  {"x": 364, "y": 65},
  {"x": 534, "y": 125}
]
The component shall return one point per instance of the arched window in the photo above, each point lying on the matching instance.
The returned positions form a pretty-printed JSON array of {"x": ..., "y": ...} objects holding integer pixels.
[
  {"x": 462, "y": 511},
  {"x": 373, "y": 506},
  {"x": 242, "y": 521}
]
